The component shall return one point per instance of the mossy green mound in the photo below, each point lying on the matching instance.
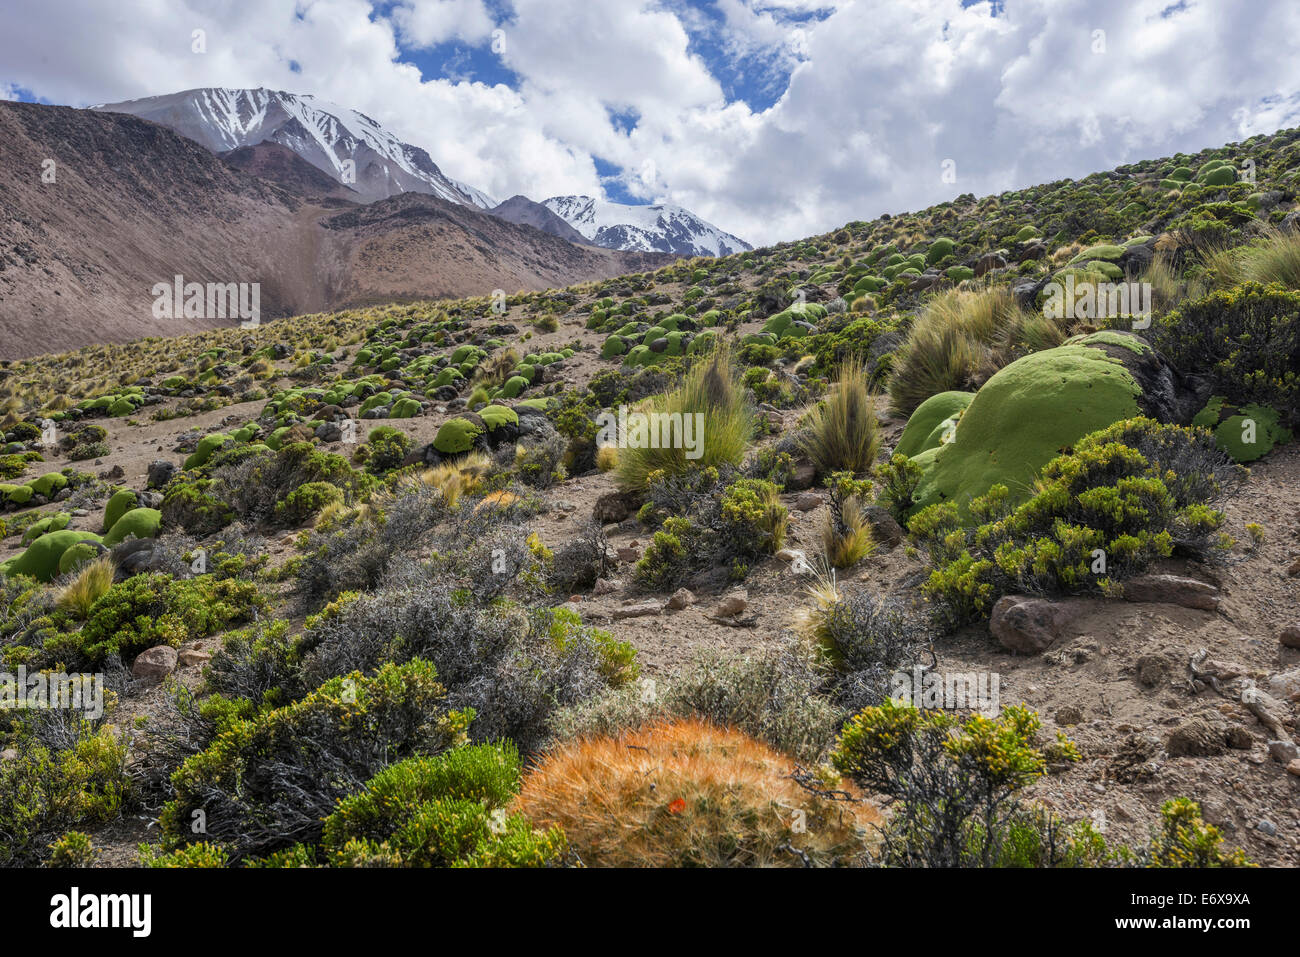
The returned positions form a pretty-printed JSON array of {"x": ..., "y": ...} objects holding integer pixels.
[
  {"x": 207, "y": 445},
  {"x": 137, "y": 523},
  {"x": 404, "y": 409},
  {"x": 51, "y": 523},
  {"x": 456, "y": 436},
  {"x": 49, "y": 484},
  {"x": 78, "y": 555},
  {"x": 123, "y": 501},
  {"x": 495, "y": 416},
  {"x": 1027, "y": 414},
  {"x": 513, "y": 386},
  {"x": 929, "y": 415},
  {"x": 41, "y": 559},
  {"x": 1246, "y": 433}
]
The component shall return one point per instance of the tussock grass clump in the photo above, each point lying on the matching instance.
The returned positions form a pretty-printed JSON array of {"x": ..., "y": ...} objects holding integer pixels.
[
  {"x": 689, "y": 794},
  {"x": 93, "y": 580},
  {"x": 960, "y": 339},
  {"x": 1274, "y": 257},
  {"x": 458, "y": 478},
  {"x": 710, "y": 395},
  {"x": 842, "y": 432},
  {"x": 844, "y": 531}
]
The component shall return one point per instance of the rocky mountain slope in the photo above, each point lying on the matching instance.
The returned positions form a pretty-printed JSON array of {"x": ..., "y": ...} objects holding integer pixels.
[
  {"x": 324, "y": 134},
  {"x": 329, "y": 136},
  {"x": 133, "y": 204},
  {"x": 522, "y": 210},
  {"x": 658, "y": 228}
]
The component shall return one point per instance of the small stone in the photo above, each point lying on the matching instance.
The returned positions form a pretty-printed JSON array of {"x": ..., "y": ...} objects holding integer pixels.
[
  {"x": 1267, "y": 827},
  {"x": 1151, "y": 670},
  {"x": 1196, "y": 738},
  {"x": 1294, "y": 570},
  {"x": 682, "y": 598},
  {"x": 1283, "y": 752},
  {"x": 615, "y": 507},
  {"x": 1027, "y": 625},
  {"x": 801, "y": 477},
  {"x": 9, "y": 754},
  {"x": 807, "y": 501},
  {"x": 1285, "y": 683},
  {"x": 885, "y": 530},
  {"x": 191, "y": 657},
  {"x": 1239, "y": 739},
  {"x": 157, "y": 662},
  {"x": 640, "y": 610},
  {"x": 1173, "y": 590},
  {"x": 1290, "y": 636},
  {"x": 1068, "y": 715},
  {"x": 627, "y": 554},
  {"x": 605, "y": 586},
  {"x": 732, "y": 604},
  {"x": 1294, "y": 768}
]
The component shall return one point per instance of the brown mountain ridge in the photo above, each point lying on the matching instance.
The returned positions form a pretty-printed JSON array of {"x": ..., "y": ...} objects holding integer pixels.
[{"x": 131, "y": 204}]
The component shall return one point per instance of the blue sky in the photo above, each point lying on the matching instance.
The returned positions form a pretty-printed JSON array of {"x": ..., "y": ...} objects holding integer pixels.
[{"x": 772, "y": 119}]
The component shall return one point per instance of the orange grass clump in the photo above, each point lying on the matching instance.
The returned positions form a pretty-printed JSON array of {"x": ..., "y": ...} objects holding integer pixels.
[{"x": 690, "y": 794}]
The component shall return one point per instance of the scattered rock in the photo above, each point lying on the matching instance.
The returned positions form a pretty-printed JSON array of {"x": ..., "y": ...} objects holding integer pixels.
[
  {"x": 1070, "y": 714},
  {"x": 807, "y": 501},
  {"x": 1290, "y": 636},
  {"x": 1267, "y": 827},
  {"x": 1027, "y": 625},
  {"x": 614, "y": 507},
  {"x": 627, "y": 554},
  {"x": 1172, "y": 590},
  {"x": 1151, "y": 670},
  {"x": 639, "y": 610},
  {"x": 799, "y": 563},
  {"x": 1239, "y": 739},
  {"x": 9, "y": 754},
  {"x": 192, "y": 657},
  {"x": 156, "y": 662},
  {"x": 1285, "y": 683},
  {"x": 987, "y": 263},
  {"x": 682, "y": 598},
  {"x": 605, "y": 586},
  {"x": 1283, "y": 752},
  {"x": 802, "y": 477},
  {"x": 732, "y": 604},
  {"x": 1293, "y": 768},
  {"x": 1294, "y": 570},
  {"x": 884, "y": 529},
  {"x": 1196, "y": 737}
]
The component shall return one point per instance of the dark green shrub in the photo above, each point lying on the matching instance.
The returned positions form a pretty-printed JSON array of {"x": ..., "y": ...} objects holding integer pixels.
[
  {"x": 1125, "y": 496},
  {"x": 269, "y": 782},
  {"x": 442, "y": 811},
  {"x": 1245, "y": 339},
  {"x": 44, "y": 793},
  {"x": 953, "y": 782}
]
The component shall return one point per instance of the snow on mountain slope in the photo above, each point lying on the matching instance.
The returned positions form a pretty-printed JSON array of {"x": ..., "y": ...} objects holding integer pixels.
[
  {"x": 659, "y": 228},
  {"x": 326, "y": 135}
]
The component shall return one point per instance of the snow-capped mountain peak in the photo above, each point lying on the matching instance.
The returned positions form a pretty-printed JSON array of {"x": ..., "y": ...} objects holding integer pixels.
[
  {"x": 658, "y": 228},
  {"x": 346, "y": 144}
]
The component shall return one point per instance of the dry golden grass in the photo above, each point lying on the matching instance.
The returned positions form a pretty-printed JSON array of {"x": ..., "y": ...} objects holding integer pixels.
[
  {"x": 454, "y": 479},
  {"x": 93, "y": 579},
  {"x": 689, "y": 794},
  {"x": 607, "y": 457}
]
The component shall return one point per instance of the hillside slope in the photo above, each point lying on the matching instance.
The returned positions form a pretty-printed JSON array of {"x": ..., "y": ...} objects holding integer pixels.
[
  {"x": 426, "y": 486},
  {"x": 134, "y": 204}
]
